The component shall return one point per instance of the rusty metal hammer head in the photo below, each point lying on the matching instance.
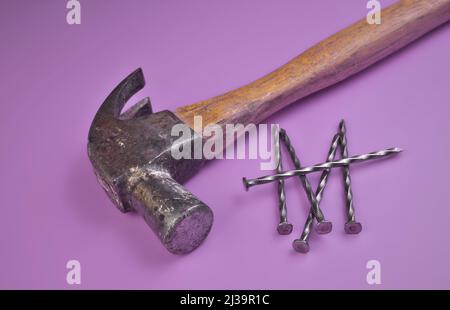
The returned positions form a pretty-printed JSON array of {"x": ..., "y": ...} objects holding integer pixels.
[{"x": 131, "y": 155}]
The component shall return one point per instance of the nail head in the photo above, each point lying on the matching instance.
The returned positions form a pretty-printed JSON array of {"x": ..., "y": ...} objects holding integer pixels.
[
  {"x": 324, "y": 227},
  {"x": 284, "y": 228},
  {"x": 300, "y": 246},
  {"x": 353, "y": 227}
]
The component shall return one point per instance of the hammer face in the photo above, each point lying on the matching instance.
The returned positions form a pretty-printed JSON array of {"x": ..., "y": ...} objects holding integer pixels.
[
  {"x": 131, "y": 156},
  {"x": 180, "y": 219}
]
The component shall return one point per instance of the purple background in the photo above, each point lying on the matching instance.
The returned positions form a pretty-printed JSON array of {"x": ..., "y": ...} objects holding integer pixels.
[{"x": 54, "y": 77}]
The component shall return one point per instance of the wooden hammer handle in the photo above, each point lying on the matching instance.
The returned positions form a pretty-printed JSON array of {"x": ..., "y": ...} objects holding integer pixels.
[{"x": 330, "y": 61}]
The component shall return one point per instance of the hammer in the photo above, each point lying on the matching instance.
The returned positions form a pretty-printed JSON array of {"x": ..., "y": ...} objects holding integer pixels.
[{"x": 131, "y": 151}]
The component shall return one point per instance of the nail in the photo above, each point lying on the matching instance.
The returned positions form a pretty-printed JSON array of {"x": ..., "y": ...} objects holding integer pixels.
[
  {"x": 323, "y": 226},
  {"x": 284, "y": 227},
  {"x": 322, "y": 166},
  {"x": 301, "y": 245},
  {"x": 352, "y": 226}
]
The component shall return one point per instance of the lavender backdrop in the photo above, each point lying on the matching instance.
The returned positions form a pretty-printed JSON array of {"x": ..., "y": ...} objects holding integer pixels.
[{"x": 53, "y": 77}]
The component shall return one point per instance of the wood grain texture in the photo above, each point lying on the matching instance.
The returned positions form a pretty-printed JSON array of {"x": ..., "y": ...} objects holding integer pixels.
[{"x": 343, "y": 54}]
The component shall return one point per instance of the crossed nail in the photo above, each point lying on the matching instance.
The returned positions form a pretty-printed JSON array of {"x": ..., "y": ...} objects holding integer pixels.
[{"x": 323, "y": 226}]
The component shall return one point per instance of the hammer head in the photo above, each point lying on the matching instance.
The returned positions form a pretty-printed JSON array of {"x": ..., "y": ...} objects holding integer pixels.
[{"x": 131, "y": 156}]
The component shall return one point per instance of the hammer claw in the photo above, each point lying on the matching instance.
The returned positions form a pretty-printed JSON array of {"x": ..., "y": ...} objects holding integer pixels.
[
  {"x": 141, "y": 108},
  {"x": 115, "y": 102}
]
